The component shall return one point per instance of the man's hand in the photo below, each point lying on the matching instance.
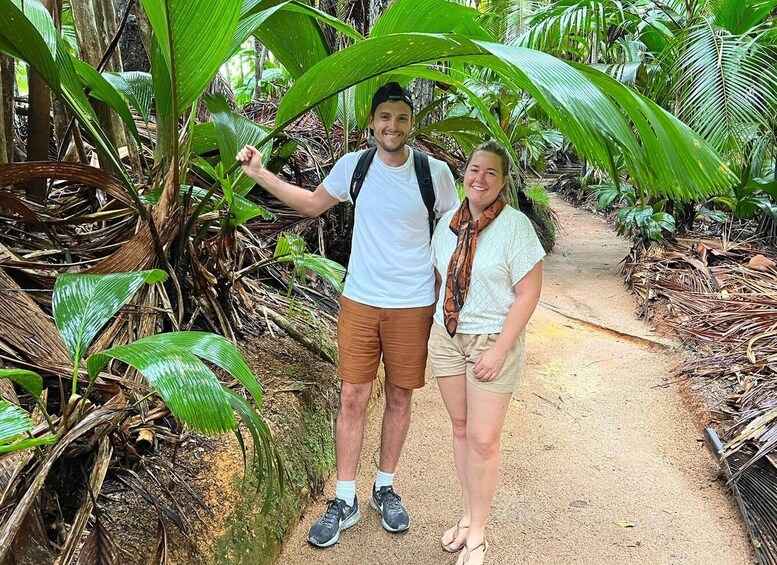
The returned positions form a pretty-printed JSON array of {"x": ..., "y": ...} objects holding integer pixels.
[
  {"x": 250, "y": 160},
  {"x": 489, "y": 364}
]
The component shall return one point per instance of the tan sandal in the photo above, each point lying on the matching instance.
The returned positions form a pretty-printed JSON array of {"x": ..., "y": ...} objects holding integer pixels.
[
  {"x": 449, "y": 547},
  {"x": 468, "y": 551}
]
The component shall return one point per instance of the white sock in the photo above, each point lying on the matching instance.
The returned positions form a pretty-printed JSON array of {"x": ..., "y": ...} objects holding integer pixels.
[
  {"x": 346, "y": 490},
  {"x": 383, "y": 480}
]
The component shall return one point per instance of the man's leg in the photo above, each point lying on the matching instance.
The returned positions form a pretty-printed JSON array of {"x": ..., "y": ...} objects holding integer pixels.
[
  {"x": 396, "y": 421},
  {"x": 349, "y": 432},
  {"x": 359, "y": 347}
]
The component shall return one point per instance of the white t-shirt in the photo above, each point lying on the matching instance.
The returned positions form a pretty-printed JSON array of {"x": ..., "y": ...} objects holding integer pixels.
[
  {"x": 390, "y": 264},
  {"x": 506, "y": 250}
]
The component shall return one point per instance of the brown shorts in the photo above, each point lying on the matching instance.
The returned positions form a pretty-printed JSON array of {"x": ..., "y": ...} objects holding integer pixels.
[{"x": 398, "y": 335}]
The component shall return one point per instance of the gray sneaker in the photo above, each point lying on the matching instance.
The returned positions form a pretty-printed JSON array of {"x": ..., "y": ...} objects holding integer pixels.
[
  {"x": 394, "y": 517},
  {"x": 338, "y": 517}
]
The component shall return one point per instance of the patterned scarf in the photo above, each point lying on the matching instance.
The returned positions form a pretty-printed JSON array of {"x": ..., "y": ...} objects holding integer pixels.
[{"x": 460, "y": 265}]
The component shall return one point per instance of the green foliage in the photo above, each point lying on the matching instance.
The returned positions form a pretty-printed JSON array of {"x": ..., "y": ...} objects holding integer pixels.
[
  {"x": 181, "y": 60},
  {"x": 291, "y": 248},
  {"x": 136, "y": 87},
  {"x": 30, "y": 35},
  {"x": 239, "y": 208},
  {"x": 646, "y": 221},
  {"x": 537, "y": 194},
  {"x": 83, "y": 304},
  {"x": 15, "y": 428},
  {"x": 746, "y": 200},
  {"x": 233, "y": 131},
  {"x": 28, "y": 380},
  {"x": 188, "y": 387},
  {"x": 171, "y": 362},
  {"x": 597, "y": 113}
]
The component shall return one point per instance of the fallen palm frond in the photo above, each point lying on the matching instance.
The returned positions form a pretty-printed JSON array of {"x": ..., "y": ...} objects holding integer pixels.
[{"x": 722, "y": 298}]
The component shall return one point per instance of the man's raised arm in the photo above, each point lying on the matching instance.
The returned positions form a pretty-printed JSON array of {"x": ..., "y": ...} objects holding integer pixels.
[{"x": 304, "y": 201}]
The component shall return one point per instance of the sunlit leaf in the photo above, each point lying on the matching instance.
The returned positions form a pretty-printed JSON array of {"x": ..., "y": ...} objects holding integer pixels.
[
  {"x": 83, "y": 304},
  {"x": 188, "y": 387},
  {"x": 216, "y": 349}
]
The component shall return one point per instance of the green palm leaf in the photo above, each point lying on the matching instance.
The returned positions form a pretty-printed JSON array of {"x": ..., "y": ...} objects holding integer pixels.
[
  {"x": 137, "y": 87},
  {"x": 14, "y": 422},
  {"x": 28, "y": 380},
  {"x": 31, "y": 36},
  {"x": 83, "y": 304},
  {"x": 233, "y": 131},
  {"x": 297, "y": 41},
  {"x": 290, "y": 248},
  {"x": 739, "y": 16},
  {"x": 419, "y": 16},
  {"x": 726, "y": 83},
  {"x": 182, "y": 61},
  {"x": 104, "y": 91},
  {"x": 592, "y": 109},
  {"x": 216, "y": 349},
  {"x": 204, "y": 138},
  {"x": 186, "y": 384},
  {"x": 268, "y": 467}
]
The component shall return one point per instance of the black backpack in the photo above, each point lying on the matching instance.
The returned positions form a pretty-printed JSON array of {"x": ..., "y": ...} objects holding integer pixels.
[{"x": 422, "y": 174}]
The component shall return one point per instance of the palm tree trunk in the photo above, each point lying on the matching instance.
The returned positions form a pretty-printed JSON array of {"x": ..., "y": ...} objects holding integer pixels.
[
  {"x": 377, "y": 7},
  {"x": 134, "y": 55},
  {"x": 95, "y": 24},
  {"x": 7, "y": 78},
  {"x": 38, "y": 132},
  {"x": 423, "y": 93},
  {"x": 261, "y": 57}
]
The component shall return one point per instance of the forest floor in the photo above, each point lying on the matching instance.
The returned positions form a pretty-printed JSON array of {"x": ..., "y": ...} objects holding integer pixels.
[{"x": 602, "y": 458}]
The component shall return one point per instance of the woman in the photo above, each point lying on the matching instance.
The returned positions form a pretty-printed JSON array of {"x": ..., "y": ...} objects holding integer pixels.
[{"x": 488, "y": 263}]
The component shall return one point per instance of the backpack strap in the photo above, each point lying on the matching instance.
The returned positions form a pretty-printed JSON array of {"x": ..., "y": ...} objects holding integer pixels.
[
  {"x": 357, "y": 180},
  {"x": 424, "y": 176}
]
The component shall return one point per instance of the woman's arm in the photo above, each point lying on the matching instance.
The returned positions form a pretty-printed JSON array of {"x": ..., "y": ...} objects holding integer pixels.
[
  {"x": 437, "y": 285},
  {"x": 527, "y": 295}
]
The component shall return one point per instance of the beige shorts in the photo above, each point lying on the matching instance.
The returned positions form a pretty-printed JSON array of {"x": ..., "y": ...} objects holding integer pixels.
[{"x": 457, "y": 355}]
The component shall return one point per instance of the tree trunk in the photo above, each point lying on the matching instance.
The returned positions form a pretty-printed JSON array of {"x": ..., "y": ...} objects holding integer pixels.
[
  {"x": 377, "y": 7},
  {"x": 95, "y": 25},
  {"x": 261, "y": 57},
  {"x": 7, "y": 79},
  {"x": 423, "y": 93},
  {"x": 134, "y": 55},
  {"x": 38, "y": 132}
]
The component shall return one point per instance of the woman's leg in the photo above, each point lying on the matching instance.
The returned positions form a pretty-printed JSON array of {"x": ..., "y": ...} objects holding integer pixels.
[
  {"x": 486, "y": 413},
  {"x": 454, "y": 395}
]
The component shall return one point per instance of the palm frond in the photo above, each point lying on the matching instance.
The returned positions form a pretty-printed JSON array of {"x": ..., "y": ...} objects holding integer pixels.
[{"x": 726, "y": 83}]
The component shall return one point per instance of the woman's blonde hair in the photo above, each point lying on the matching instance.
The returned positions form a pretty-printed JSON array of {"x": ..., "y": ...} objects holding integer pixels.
[{"x": 497, "y": 149}]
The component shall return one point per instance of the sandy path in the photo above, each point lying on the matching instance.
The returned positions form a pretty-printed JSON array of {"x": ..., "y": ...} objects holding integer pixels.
[{"x": 590, "y": 445}]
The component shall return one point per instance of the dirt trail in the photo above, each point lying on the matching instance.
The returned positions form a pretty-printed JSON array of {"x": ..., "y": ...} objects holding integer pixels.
[{"x": 600, "y": 465}]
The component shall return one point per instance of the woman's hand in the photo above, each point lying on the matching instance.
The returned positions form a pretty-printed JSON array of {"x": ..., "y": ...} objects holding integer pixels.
[
  {"x": 489, "y": 364},
  {"x": 250, "y": 160}
]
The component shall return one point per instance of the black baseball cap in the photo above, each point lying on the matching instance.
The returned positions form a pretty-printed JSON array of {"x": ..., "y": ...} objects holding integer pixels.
[{"x": 388, "y": 92}]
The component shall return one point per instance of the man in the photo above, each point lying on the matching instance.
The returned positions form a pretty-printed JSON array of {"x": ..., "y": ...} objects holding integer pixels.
[{"x": 387, "y": 305}]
